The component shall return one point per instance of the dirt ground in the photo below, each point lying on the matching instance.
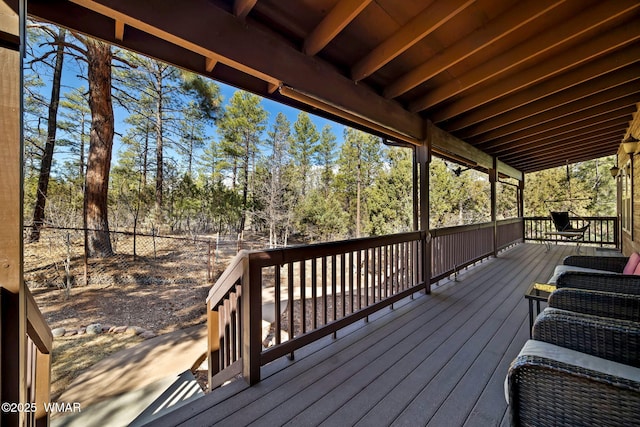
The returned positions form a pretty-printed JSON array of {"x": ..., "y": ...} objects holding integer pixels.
[{"x": 160, "y": 293}]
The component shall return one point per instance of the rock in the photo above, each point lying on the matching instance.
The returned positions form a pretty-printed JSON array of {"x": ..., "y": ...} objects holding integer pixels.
[
  {"x": 94, "y": 329},
  {"x": 147, "y": 335},
  {"x": 119, "y": 329},
  {"x": 111, "y": 329},
  {"x": 58, "y": 332},
  {"x": 82, "y": 331},
  {"x": 70, "y": 333},
  {"x": 134, "y": 330},
  {"x": 106, "y": 328}
]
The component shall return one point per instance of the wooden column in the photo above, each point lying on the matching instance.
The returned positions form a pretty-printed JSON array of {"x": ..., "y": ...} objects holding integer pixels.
[
  {"x": 422, "y": 160},
  {"x": 251, "y": 321},
  {"x": 493, "y": 180},
  {"x": 13, "y": 350}
]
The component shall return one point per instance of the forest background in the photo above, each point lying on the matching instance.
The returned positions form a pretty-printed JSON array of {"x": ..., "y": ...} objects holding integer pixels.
[{"x": 184, "y": 159}]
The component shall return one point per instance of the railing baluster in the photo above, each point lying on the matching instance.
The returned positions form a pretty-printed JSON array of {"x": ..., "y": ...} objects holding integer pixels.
[
  {"x": 334, "y": 289},
  {"x": 291, "y": 297},
  {"x": 325, "y": 308},
  {"x": 343, "y": 281},
  {"x": 278, "y": 297},
  {"x": 351, "y": 288},
  {"x": 359, "y": 281}
]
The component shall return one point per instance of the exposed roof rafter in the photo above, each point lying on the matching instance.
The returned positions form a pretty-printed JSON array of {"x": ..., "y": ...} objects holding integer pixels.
[
  {"x": 415, "y": 30},
  {"x": 339, "y": 17}
]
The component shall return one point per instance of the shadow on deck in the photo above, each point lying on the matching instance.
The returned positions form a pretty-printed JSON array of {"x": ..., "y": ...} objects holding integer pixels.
[{"x": 438, "y": 359}]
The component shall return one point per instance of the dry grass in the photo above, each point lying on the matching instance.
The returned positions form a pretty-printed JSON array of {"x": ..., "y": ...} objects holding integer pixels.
[{"x": 72, "y": 355}]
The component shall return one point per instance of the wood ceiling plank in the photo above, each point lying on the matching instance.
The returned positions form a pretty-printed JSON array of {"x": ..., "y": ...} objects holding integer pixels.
[
  {"x": 566, "y": 102},
  {"x": 589, "y": 145},
  {"x": 591, "y": 71},
  {"x": 510, "y": 21},
  {"x": 415, "y": 30},
  {"x": 241, "y": 8},
  {"x": 591, "y": 18},
  {"x": 563, "y": 62},
  {"x": 596, "y": 113},
  {"x": 339, "y": 17},
  {"x": 214, "y": 33}
]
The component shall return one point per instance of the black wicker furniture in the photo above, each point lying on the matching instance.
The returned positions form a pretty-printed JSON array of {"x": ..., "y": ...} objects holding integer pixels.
[{"x": 578, "y": 370}]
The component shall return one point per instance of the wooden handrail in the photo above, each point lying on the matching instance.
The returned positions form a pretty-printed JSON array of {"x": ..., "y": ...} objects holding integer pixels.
[
  {"x": 37, "y": 328},
  {"x": 359, "y": 276},
  {"x": 40, "y": 342}
]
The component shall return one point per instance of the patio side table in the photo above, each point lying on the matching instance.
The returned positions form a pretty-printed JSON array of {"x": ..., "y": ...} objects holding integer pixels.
[{"x": 537, "y": 292}]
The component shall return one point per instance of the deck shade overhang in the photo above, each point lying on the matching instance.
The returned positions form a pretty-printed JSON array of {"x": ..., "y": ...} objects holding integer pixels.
[{"x": 535, "y": 84}]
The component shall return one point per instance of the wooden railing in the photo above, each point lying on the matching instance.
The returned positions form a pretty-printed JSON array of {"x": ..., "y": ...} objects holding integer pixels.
[
  {"x": 454, "y": 248},
  {"x": 39, "y": 346},
  {"x": 304, "y": 293},
  {"x": 602, "y": 230}
]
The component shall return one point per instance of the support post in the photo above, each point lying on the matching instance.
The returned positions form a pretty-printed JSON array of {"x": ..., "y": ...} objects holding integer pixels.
[
  {"x": 493, "y": 180},
  {"x": 13, "y": 316},
  {"x": 213, "y": 340},
  {"x": 423, "y": 158},
  {"x": 251, "y": 321}
]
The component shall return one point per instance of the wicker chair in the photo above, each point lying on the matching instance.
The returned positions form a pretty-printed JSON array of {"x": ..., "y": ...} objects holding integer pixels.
[
  {"x": 605, "y": 282},
  {"x": 578, "y": 370},
  {"x": 597, "y": 303},
  {"x": 614, "y": 264}
]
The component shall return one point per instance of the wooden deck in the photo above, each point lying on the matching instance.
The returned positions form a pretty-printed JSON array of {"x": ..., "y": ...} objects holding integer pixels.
[{"x": 438, "y": 359}]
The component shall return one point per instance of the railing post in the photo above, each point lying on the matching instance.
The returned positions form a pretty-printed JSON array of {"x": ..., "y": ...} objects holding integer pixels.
[
  {"x": 251, "y": 320},
  {"x": 493, "y": 178},
  {"x": 213, "y": 340}
]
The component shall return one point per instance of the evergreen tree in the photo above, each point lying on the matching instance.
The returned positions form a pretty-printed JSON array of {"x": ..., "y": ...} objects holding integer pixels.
[
  {"x": 58, "y": 40},
  {"x": 390, "y": 199},
  {"x": 240, "y": 128},
  {"x": 304, "y": 147},
  {"x": 359, "y": 160},
  {"x": 326, "y": 154},
  {"x": 273, "y": 190}
]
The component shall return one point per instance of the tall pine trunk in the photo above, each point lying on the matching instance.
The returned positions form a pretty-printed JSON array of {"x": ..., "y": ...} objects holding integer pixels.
[
  {"x": 47, "y": 156},
  {"x": 100, "y": 147}
]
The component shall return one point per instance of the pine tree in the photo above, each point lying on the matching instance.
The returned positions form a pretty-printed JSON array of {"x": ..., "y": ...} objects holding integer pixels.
[
  {"x": 304, "y": 147},
  {"x": 358, "y": 162},
  {"x": 240, "y": 128},
  {"x": 58, "y": 40},
  {"x": 326, "y": 155}
]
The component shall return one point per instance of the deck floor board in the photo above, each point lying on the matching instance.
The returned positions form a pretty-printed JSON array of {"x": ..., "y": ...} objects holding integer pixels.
[{"x": 439, "y": 359}]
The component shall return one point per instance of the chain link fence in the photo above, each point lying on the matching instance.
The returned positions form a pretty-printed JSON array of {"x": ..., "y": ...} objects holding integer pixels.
[{"x": 58, "y": 259}]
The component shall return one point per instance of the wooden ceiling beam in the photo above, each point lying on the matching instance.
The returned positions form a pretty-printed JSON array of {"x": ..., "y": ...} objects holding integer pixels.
[
  {"x": 599, "y": 148},
  {"x": 593, "y": 17},
  {"x": 339, "y": 17},
  {"x": 563, "y": 62},
  {"x": 575, "y": 99},
  {"x": 591, "y": 71},
  {"x": 504, "y": 25},
  {"x": 429, "y": 20},
  {"x": 602, "y": 149},
  {"x": 604, "y": 112},
  {"x": 119, "y": 35},
  {"x": 525, "y": 149},
  {"x": 241, "y": 8},
  {"x": 565, "y": 114},
  {"x": 258, "y": 53},
  {"x": 576, "y": 158}
]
